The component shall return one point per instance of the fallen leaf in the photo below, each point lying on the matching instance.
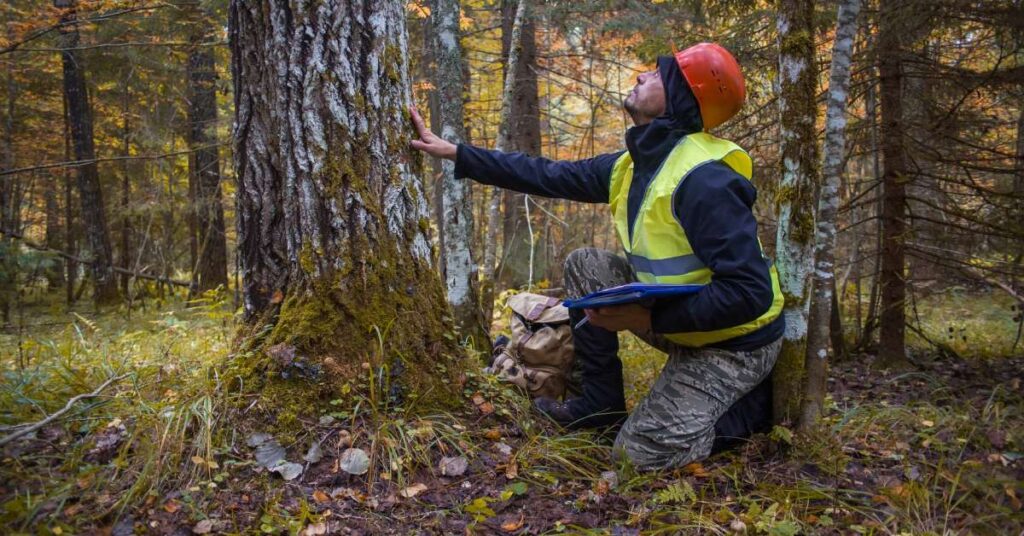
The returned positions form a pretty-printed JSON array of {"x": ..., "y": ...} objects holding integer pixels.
[
  {"x": 612, "y": 478},
  {"x": 314, "y": 454},
  {"x": 503, "y": 449},
  {"x": 697, "y": 470},
  {"x": 172, "y": 506},
  {"x": 270, "y": 453},
  {"x": 601, "y": 487},
  {"x": 277, "y": 297},
  {"x": 287, "y": 470},
  {"x": 203, "y": 527},
  {"x": 512, "y": 470},
  {"x": 453, "y": 465},
  {"x": 927, "y": 423},
  {"x": 315, "y": 529},
  {"x": 198, "y": 460},
  {"x": 493, "y": 434},
  {"x": 513, "y": 525},
  {"x": 486, "y": 408},
  {"x": 413, "y": 490},
  {"x": 355, "y": 461},
  {"x": 344, "y": 439},
  {"x": 258, "y": 439},
  {"x": 320, "y": 496},
  {"x": 73, "y": 510}
]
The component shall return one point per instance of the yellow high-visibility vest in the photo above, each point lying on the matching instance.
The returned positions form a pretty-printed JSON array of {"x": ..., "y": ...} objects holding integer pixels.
[{"x": 657, "y": 247}]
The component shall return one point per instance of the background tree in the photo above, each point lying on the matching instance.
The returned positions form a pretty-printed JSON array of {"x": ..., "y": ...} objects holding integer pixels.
[
  {"x": 207, "y": 240},
  {"x": 821, "y": 301},
  {"x": 90, "y": 193},
  {"x": 459, "y": 270}
]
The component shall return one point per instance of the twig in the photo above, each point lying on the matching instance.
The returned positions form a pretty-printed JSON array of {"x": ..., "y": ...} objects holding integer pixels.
[
  {"x": 29, "y": 428},
  {"x": 80, "y": 260}
]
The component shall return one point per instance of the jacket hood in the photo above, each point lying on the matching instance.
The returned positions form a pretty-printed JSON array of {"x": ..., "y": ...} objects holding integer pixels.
[
  {"x": 649, "y": 144},
  {"x": 682, "y": 111}
]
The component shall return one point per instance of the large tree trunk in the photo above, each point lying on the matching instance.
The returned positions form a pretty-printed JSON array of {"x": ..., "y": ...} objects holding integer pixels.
[
  {"x": 459, "y": 271},
  {"x": 892, "y": 321},
  {"x": 90, "y": 195},
  {"x": 210, "y": 268},
  {"x": 820, "y": 315},
  {"x": 798, "y": 75},
  {"x": 516, "y": 258},
  {"x": 332, "y": 215}
]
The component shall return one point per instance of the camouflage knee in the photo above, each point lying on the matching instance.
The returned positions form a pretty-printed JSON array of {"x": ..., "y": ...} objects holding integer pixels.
[{"x": 591, "y": 269}]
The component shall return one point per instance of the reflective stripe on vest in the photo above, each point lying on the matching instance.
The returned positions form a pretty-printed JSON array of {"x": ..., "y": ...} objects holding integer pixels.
[{"x": 656, "y": 244}]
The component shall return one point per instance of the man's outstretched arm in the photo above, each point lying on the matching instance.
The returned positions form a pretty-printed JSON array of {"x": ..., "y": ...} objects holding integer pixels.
[{"x": 581, "y": 180}]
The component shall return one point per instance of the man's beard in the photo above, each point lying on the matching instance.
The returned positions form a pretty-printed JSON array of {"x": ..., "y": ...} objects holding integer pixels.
[{"x": 631, "y": 109}]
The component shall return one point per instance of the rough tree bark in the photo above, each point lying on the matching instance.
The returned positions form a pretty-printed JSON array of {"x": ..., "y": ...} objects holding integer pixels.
[
  {"x": 458, "y": 269},
  {"x": 503, "y": 143},
  {"x": 820, "y": 314},
  {"x": 514, "y": 266},
  {"x": 90, "y": 195},
  {"x": 10, "y": 200},
  {"x": 798, "y": 75},
  {"x": 892, "y": 320},
  {"x": 333, "y": 235},
  {"x": 210, "y": 265}
]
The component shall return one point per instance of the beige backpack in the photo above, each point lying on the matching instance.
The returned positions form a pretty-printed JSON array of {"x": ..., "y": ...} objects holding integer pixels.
[{"x": 539, "y": 354}]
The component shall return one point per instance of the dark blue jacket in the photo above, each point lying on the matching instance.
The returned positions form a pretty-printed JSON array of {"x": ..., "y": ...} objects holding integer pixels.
[{"x": 713, "y": 206}]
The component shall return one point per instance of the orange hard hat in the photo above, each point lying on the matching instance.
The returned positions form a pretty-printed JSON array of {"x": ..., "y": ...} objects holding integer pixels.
[{"x": 716, "y": 81}]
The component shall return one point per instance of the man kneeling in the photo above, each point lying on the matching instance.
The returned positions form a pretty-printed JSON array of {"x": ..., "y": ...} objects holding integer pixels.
[{"x": 681, "y": 200}]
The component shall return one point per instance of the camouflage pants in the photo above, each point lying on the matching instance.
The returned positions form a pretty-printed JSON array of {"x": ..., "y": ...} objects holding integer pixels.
[{"x": 674, "y": 424}]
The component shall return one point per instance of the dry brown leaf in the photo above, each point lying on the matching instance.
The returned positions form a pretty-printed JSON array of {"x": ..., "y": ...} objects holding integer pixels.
[
  {"x": 172, "y": 506},
  {"x": 602, "y": 487},
  {"x": 493, "y": 434},
  {"x": 277, "y": 297},
  {"x": 73, "y": 510},
  {"x": 486, "y": 408},
  {"x": 512, "y": 470},
  {"x": 697, "y": 470},
  {"x": 413, "y": 490},
  {"x": 513, "y": 525},
  {"x": 320, "y": 497}
]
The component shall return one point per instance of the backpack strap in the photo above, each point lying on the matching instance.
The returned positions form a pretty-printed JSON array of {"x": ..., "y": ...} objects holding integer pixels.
[{"x": 539, "y": 308}]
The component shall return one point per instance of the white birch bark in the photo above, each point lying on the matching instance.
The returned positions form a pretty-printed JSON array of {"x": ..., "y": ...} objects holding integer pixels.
[
  {"x": 816, "y": 359},
  {"x": 457, "y": 207},
  {"x": 795, "y": 241}
]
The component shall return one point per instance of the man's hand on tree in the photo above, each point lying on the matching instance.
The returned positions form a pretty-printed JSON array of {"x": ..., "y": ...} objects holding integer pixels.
[
  {"x": 429, "y": 142},
  {"x": 632, "y": 316}
]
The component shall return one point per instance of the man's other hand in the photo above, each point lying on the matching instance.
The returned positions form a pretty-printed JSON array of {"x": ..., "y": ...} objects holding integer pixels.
[
  {"x": 429, "y": 142},
  {"x": 634, "y": 317}
]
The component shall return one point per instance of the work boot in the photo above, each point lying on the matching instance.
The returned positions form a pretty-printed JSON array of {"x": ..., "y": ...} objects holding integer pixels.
[
  {"x": 572, "y": 414},
  {"x": 554, "y": 410}
]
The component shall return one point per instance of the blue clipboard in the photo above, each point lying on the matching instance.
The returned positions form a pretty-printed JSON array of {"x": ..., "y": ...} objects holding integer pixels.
[{"x": 630, "y": 293}]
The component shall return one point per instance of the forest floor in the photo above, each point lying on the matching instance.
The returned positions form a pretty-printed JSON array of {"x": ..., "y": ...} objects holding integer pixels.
[{"x": 935, "y": 451}]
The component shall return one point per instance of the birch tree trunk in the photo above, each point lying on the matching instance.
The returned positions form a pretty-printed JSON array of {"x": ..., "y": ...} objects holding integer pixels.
[
  {"x": 819, "y": 317},
  {"x": 456, "y": 204},
  {"x": 210, "y": 265},
  {"x": 503, "y": 143},
  {"x": 892, "y": 320},
  {"x": 90, "y": 194},
  {"x": 798, "y": 76},
  {"x": 332, "y": 223}
]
